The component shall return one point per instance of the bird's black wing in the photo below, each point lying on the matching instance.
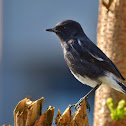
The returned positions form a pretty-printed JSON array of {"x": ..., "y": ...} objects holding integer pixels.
[{"x": 89, "y": 51}]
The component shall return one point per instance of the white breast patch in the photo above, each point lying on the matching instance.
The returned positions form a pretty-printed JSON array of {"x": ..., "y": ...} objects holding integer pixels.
[{"x": 85, "y": 80}]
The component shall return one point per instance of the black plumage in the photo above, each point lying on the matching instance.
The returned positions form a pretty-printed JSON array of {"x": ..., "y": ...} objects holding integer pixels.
[
  {"x": 84, "y": 59},
  {"x": 87, "y": 52}
]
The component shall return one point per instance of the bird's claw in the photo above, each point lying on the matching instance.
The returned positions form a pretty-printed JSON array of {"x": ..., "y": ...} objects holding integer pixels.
[
  {"x": 78, "y": 104},
  {"x": 88, "y": 105}
]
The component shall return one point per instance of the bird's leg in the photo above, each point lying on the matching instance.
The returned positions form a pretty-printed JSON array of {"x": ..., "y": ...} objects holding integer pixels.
[{"x": 78, "y": 104}]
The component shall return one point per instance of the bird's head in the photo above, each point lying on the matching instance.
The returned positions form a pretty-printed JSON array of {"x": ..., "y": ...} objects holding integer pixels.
[{"x": 67, "y": 30}]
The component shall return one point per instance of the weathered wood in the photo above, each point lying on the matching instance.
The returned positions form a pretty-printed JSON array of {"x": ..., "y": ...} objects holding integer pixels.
[
  {"x": 29, "y": 113},
  {"x": 46, "y": 119},
  {"x": 79, "y": 119}
]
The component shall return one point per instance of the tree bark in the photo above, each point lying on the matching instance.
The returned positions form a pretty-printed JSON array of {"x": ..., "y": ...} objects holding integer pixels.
[{"x": 111, "y": 38}]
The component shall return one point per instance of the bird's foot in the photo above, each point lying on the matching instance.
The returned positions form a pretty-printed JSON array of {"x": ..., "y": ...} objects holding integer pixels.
[{"x": 78, "y": 104}]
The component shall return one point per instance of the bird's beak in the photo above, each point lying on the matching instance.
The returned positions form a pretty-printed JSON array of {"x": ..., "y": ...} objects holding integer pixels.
[{"x": 50, "y": 30}]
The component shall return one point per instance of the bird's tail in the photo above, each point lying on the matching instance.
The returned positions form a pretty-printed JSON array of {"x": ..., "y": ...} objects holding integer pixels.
[{"x": 122, "y": 86}]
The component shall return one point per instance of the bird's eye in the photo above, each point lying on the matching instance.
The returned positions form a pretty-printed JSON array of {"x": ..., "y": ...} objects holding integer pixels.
[{"x": 65, "y": 29}]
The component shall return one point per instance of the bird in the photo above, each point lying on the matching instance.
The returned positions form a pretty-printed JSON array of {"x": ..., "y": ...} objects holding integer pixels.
[{"x": 86, "y": 61}]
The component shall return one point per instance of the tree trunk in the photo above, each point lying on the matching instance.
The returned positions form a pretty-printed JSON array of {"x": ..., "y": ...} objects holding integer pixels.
[{"x": 111, "y": 38}]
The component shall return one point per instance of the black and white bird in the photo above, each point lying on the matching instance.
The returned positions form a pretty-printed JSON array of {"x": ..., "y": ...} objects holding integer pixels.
[{"x": 85, "y": 60}]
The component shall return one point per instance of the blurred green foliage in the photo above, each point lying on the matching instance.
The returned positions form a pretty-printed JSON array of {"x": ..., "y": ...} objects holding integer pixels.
[{"x": 119, "y": 112}]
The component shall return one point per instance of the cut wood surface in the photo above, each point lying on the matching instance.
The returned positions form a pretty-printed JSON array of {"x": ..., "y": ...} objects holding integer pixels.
[
  {"x": 29, "y": 113},
  {"x": 79, "y": 119}
]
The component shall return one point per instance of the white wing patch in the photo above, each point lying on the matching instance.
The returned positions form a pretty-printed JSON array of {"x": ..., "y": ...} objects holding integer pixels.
[
  {"x": 100, "y": 59},
  {"x": 96, "y": 57},
  {"x": 79, "y": 42}
]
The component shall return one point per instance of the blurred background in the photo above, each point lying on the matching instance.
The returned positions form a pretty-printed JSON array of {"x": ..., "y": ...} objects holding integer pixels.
[{"x": 32, "y": 63}]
